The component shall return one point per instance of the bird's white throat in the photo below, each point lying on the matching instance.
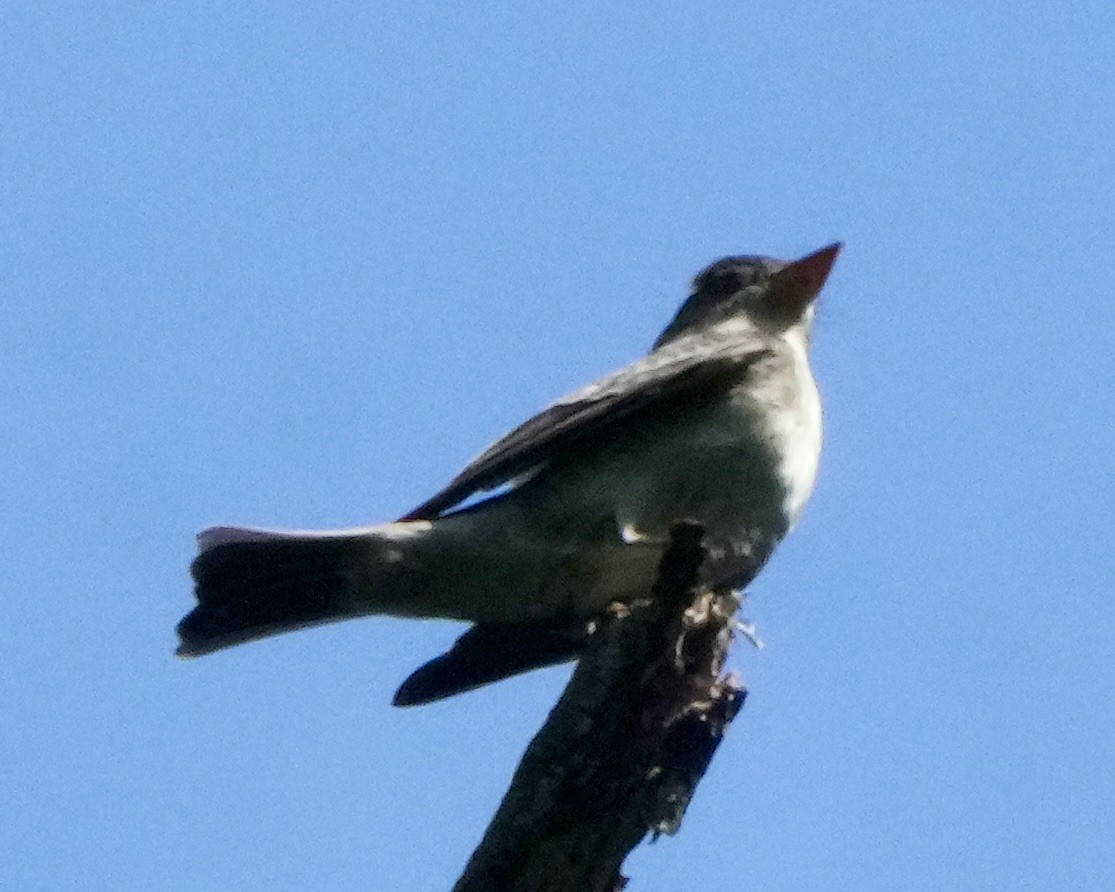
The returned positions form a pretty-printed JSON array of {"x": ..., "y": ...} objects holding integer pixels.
[{"x": 800, "y": 431}]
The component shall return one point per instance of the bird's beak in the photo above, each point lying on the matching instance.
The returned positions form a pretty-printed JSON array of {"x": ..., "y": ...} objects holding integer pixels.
[{"x": 798, "y": 283}]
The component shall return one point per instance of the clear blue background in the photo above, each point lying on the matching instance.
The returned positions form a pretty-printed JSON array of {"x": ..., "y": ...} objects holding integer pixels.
[{"x": 293, "y": 264}]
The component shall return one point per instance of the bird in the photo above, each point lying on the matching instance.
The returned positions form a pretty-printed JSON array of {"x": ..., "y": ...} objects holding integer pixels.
[{"x": 569, "y": 513}]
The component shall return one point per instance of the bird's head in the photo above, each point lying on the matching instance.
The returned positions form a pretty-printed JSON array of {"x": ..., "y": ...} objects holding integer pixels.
[{"x": 773, "y": 295}]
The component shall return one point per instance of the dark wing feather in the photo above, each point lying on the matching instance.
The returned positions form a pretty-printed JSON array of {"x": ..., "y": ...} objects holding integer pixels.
[
  {"x": 490, "y": 652},
  {"x": 669, "y": 371}
]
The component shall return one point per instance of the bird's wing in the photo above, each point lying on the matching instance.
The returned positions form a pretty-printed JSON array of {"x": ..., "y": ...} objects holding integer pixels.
[
  {"x": 490, "y": 652},
  {"x": 670, "y": 371}
]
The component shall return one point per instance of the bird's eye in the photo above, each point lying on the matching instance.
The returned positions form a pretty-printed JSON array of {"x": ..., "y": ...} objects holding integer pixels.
[
  {"x": 724, "y": 281},
  {"x": 729, "y": 276}
]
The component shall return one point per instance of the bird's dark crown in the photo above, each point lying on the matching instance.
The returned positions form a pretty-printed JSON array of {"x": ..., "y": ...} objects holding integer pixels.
[
  {"x": 731, "y": 274},
  {"x": 732, "y": 286}
]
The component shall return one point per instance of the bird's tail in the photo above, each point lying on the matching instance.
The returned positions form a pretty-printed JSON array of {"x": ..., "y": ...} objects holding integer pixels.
[{"x": 252, "y": 583}]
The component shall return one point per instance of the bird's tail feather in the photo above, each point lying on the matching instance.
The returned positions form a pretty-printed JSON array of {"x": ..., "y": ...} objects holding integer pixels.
[{"x": 251, "y": 583}]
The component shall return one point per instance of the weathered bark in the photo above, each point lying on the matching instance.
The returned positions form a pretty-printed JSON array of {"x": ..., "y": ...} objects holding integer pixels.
[{"x": 623, "y": 750}]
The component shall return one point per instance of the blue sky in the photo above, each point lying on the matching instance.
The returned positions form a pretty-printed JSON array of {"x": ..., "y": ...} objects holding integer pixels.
[{"x": 294, "y": 264}]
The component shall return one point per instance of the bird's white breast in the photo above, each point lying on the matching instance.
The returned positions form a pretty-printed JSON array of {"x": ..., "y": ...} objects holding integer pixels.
[{"x": 798, "y": 433}]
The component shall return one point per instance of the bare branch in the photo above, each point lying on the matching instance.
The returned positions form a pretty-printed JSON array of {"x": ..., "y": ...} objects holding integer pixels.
[{"x": 623, "y": 750}]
